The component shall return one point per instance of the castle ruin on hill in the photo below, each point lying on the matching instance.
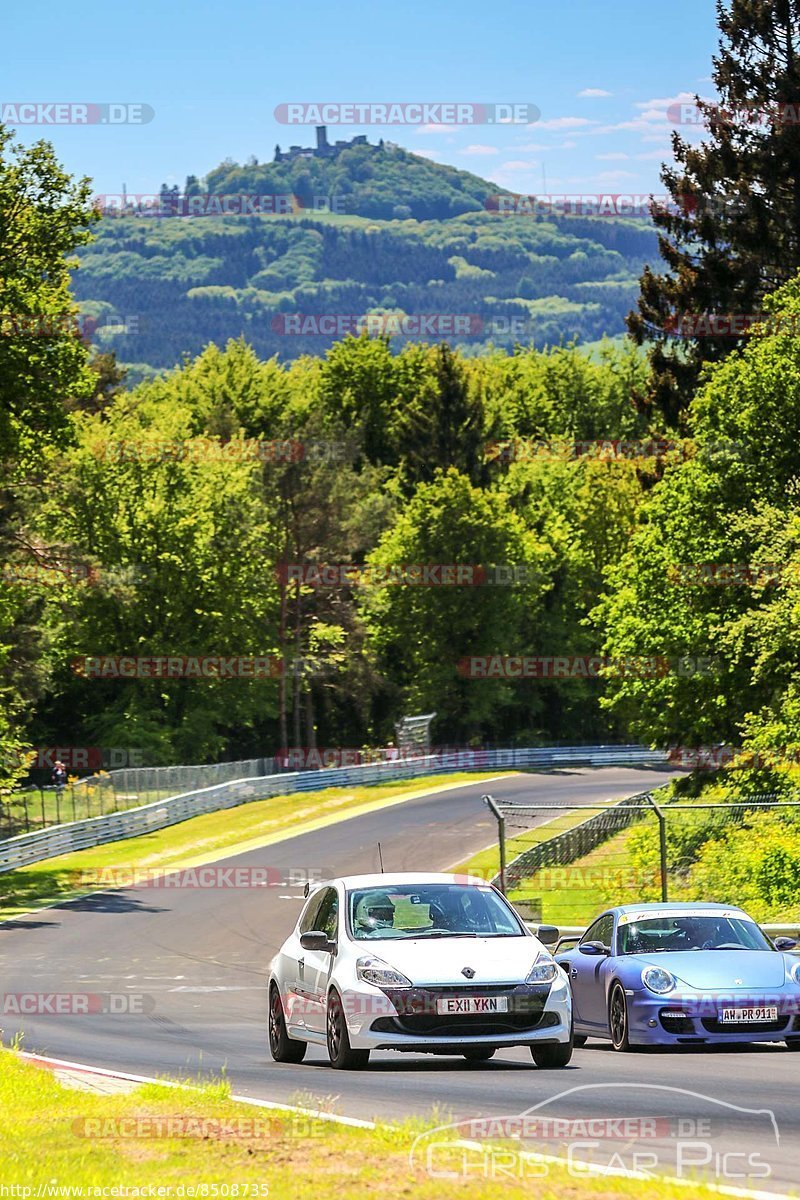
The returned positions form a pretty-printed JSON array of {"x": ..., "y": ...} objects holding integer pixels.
[{"x": 323, "y": 148}]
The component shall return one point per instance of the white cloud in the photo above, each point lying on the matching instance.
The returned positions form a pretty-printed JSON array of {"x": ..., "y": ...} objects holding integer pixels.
[
  {"x": 655, "y": 155},
  {"x": 423, "y": 129},
  {"x": 616, "y": 156},
  {"x": 614, "y": 176},
  {"x": 564, "y": 123},
  {"x": 539, "y": 147},
  {"x": 593, "y": 93},
  {"x": 478, "y": 149},
  {"x": 665, "y": 102}
]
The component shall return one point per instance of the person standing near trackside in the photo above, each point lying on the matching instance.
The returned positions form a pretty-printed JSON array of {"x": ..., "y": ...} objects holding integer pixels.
[{"x": 59, "y": 777}]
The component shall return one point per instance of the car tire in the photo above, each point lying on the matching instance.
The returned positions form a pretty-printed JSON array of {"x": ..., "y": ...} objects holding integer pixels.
[
  {"x": 282, "y": 1048},
  {"x": 618, "y": 1018},
  {"x": 553, "y": 1054},
  {"x": 579, "y": 1039},
  {"x": 478, "y": 1054},
  {"x": 343, "y": 1057}
]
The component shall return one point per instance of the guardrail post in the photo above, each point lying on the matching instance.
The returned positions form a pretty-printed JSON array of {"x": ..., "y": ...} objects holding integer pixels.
[
  {"x": 662, "y": 844},
  {"x": 501, "y": 834}
]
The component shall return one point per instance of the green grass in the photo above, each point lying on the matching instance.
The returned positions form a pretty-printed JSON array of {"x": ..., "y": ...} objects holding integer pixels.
[
  {"x": 52, "y": 1137},
  {"x": 203, "y": 838}
]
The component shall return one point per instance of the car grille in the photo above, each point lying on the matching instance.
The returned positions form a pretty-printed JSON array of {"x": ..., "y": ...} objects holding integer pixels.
[
  {"x": 417, "y": 1013},
  {"x": 675, "y": 1024},
  {"x": 712, "y": 1025}
]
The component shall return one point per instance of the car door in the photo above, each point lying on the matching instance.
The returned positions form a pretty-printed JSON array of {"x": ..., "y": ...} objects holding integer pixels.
[
  {"x": 318, "y": 964},
  {"x": 296, "y": 978},
  {"x": 588, "y": 974}
]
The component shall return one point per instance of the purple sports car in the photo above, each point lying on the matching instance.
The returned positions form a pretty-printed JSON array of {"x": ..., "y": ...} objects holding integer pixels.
[{"x": 677, "y": 974}]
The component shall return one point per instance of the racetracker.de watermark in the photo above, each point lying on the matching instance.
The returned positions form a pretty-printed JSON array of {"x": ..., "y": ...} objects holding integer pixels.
[
  {"x": 81, "y": 325},
  {"x": 781, "y": 112},
  {"x": 590, "y": 666},
  {"x": 209, "y": 449},
  {"x": 714, "y": 574},
  {"x": 45, "y": 575},
  {"x": 213, "y": 877},
  {"x": 206, "y": 667},
  {"x": 75, "y": 758},
  {"x": 185, "y": 1125},
  {"x": 406, "y": 113},
  {"x": 40, "y": 112},
  {"x": 731, "y": 325},
  {"x": 214, "y": 204},
  {"x": 531, "y": 449},
  {"x": 390, "y": 324},
  {"x": 584, "y": 204},
  {"x": 75, "y": 1004},
  {"x": 337, "y": 575}
]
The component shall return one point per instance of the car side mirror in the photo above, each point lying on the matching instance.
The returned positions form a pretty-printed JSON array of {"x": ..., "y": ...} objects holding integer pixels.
[
  {"x": 548, "y": 935},
  {"x": 785, "y": 943},
  {"x": 594, "y": 949},
  {"x": 316, "y": 940}
]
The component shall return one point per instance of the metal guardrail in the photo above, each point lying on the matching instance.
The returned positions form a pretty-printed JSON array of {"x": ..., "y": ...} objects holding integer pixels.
[{"x": 96, "y": 831}]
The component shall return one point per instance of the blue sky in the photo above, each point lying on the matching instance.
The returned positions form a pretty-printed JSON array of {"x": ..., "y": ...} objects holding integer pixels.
[{"x": 603, "y": 77}]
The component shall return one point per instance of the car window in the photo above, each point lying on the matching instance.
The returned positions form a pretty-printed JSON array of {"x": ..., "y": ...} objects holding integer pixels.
[
  {"x": 689, "y": 931},
  {"x": 430, "y": 910},
  {"x": 602, "y": 930},
  {"x": 309, "y": 916},
  {"x": 328, "y": 913}
]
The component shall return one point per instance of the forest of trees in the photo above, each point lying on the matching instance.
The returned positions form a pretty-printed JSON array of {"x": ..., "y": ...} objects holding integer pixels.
[
  {"x": 612, "y": 543},
  {"x": 153, "y": 289}
]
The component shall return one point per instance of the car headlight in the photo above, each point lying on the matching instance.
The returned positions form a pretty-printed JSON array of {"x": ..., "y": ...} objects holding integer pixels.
[
  {"x": 657, "y": 980},
  {"x": 377, "y": 972},
  {"x": 544, "y": 970},
  {"x": 794, "y": 973}
]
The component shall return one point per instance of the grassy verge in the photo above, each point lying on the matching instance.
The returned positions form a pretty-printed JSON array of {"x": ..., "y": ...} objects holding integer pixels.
[
  {"x": 53, "y": 1138},
  {"x": 204, "y": 838}
]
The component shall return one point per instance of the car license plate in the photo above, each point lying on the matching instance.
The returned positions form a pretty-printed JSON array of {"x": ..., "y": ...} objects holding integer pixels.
[
  {"x": 748, "y": 1016},
  {"x": 447, "y": 1005}
]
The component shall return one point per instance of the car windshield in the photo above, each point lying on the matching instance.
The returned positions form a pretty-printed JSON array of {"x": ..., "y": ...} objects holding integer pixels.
[
  {"x": 430, "y": 910},
  {"x": 686, "y": 931}
]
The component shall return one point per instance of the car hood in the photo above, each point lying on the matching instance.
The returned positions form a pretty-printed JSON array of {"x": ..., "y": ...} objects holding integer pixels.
[
  {"x": 441, "y": 960},
  {"x": 707, "y": 969}
]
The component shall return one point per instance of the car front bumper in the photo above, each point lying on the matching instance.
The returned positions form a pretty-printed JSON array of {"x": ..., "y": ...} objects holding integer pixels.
[
  {"x": 407, "y": 1019},
  {"x": 685, "y": 1019}
]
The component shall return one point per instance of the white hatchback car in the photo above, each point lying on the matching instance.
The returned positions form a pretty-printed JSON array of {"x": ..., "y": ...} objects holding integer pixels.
[{"x": 424, "y": 963}]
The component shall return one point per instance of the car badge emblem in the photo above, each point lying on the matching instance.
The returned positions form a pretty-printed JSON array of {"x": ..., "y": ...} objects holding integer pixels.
[{"x": 468, "y": 972}]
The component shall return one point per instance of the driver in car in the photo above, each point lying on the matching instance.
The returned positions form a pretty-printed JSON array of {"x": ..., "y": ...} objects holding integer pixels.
[{"x": 375, "y": 913}]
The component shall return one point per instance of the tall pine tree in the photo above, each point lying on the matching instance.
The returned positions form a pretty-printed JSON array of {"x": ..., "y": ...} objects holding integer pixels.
[{"x": 733, "y": 233}]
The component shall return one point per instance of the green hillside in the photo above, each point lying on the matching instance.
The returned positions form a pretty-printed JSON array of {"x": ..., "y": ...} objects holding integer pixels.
[{"x": 417, "y": 239}]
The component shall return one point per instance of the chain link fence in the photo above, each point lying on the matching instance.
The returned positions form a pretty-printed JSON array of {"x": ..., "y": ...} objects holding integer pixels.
[
  {"x": 36, "y": 807},
  {"x": 563, "y": 864}
]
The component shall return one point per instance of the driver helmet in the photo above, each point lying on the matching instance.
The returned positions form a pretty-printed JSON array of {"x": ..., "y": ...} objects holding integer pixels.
[{"x": 375, "y": 911}]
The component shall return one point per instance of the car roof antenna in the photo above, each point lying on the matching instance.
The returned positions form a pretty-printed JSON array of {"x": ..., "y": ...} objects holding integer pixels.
[{"x": 380, "y": 857}]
